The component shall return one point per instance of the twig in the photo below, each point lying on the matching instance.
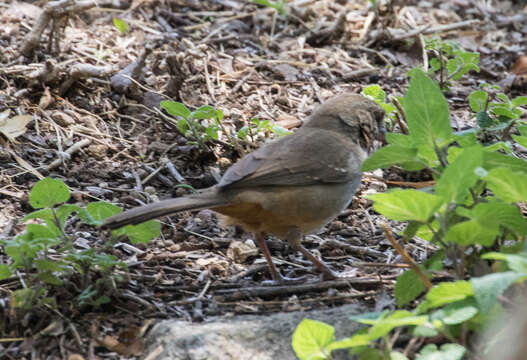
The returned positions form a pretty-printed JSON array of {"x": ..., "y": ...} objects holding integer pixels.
[
  {"x": 407, "y": 258},
  {"x": 69, "y": 151}
]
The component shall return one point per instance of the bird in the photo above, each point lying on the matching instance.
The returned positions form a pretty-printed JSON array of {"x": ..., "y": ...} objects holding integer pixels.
[{"x": 289, "y": 187}]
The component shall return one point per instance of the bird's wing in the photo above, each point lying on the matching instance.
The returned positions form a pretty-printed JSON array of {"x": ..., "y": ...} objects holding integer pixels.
[{"x": 286, "y": 162}]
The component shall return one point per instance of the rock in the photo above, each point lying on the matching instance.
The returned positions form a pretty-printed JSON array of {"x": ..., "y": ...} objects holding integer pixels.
[{"x": 243, "y": 337}]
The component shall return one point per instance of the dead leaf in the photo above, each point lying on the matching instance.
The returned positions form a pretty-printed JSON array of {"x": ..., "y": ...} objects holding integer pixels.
[
  {"x": 288, "y": 121},
  {"x": 239, "y": 251},
  {"x": 15, "y": 126}
]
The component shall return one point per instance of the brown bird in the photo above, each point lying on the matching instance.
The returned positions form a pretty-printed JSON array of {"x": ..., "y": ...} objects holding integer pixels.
[{"x": 291, "y": 186}]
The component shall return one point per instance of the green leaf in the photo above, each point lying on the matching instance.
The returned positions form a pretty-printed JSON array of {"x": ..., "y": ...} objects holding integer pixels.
[
  {"x": 503, "y": 111},
  {"x": 354, "y": 341},
  {"x": 204, "y": 112},
  {"x": 426, "y": 110},
  {"x": 141, "y": 233},
  {"x": 49, "y": 278},
  {"x": 395, "y": 355},
  {"x": 42, "y": 234},
  {"x": 487, "y": 288},
  {"x": 383, "y": 326},
  {"x": 120, "y": 25},
  {"x": 5, "y": 272},
  {"x": 447, "y": 352},
  {"x": 508, "y": 185},
  {"x": 493, "y": 214},
  {"x": 471, "y": 232},
  {"x": 478, "y": 100},
  {"x": 280, "y": 131},
  {"x": 446, "y": 293},
  {"x": 522, "y": 140},
  {"x": 388, "y": 156},
  {"x": 407, "y": 287},
  {"x": 310, "y": 339},
  {"x": 406, "y": 204},
  {"x": 50, "y": 265},
  {"x": 459, "y": 176},
  {"x": 515, "y": 262},
  {"x": 493, "y": 160},
  {"x": 457, "y": 312},
  {"x": 484, "y": 120},
  {"x": 175, "y": 108},
  {"x": 45, "y": 214},
  {"x": 375, "y": 92},
  {"x": 519, "y": 101},
  {"x": 48, "y": 192},
  {"x": 66, "y": 210},
  {"x": 399, "y": 139},
  {"x": 98, "y": 211}
]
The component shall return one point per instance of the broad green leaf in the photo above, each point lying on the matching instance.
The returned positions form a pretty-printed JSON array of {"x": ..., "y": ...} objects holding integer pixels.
[
  {"x": 98, "y": 211},
  {"x": 141, "y": 233},
  {"x": 406, "y": 204},
  {"x": 398, "y": 318},
  {"x": 522, "y": 140},
  {"x": 388, "y": 156},
  {"x": 49, "y": 278},
  {"x": 466, "y": 139},
  {"x": 175, "y": 108},
  {"x": 395, "y": 355},
  {"x": 399, "y": 139},
  {"x": 519, "y": 101},
  {"x": 459, "y": 176},
  {"x": 471, "y": 232},
  {"x": 508, "y": 185},
  {"x": 120, "y": 25},
  {"x": 493, "y": 214},
  {"x": 515, "y": 262},
  {"x": 5, "y": 272},
  {"x": 426, "y": 110},
  {"x": 42, "y": 234},
  {"x": 447, "y": 352},
  {"x": 311, "y": 338},
  {"x": 407, "y": 287},
  {"x": 204, "y": 112},
  {"x": 375, "y": 92},
  {"x": 446, "y": 293},
  {"x": 484, "y": 120},
  {"x": 487, "y": 288},
  {"x": 457, "y": 312},
  {"x": 493, "y": 160},
  {"x": 478, "y": 100},
  {"x": 355, "y": 340},
  {"x": 50, "y": 265},
  {"x": 66, "y": 210},
  {"x": 48, "y": 192},
  {"x": 45, "y": 214}
]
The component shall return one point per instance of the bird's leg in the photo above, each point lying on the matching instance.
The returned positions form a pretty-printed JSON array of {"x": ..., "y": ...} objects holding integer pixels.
[
  {"x": 294, "y": 238},
  {"x": 275, "y": 274}
]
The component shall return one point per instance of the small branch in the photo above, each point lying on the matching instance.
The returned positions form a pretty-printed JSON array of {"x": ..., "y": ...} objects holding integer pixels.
[
  {"x": 407, "y": 258},
  {"x": 70, "y": 151}
]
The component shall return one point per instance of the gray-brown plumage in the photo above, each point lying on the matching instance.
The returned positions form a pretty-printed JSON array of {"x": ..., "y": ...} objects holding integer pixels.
[{"x": 292, "y": 186}]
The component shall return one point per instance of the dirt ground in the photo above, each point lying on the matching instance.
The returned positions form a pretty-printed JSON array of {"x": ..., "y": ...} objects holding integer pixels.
[{"x": 93, "y": 95}]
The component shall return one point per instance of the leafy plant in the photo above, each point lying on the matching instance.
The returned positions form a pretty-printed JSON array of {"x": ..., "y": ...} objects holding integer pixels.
[
  {"x": 120, "y": 25},
  {"x": 470, "y": 213},
  {"x": 496, "y": 112},
  {"x": 189, "y": 125},
  {"x": 278, "y": 5},
  {"x": 256, "y": 126},
  {"x": 45, "y": 251},
  {"x": 449, "y": 60}
]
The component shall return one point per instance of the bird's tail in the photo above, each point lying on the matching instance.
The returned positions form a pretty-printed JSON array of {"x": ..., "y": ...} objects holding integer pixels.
[{"x": 144, "y": 213}]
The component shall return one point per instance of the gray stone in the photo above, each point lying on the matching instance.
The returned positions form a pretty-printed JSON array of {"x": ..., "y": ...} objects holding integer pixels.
[{"x": 261, "y": 337}]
